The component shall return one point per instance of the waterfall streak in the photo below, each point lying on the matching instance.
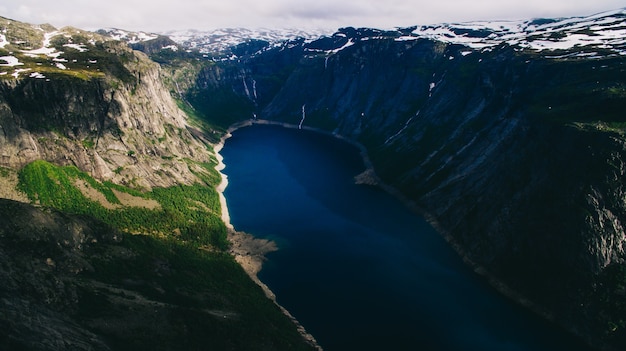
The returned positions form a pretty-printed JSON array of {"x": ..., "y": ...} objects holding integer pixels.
[
  {"x": 401, "y": 130},
  {"x": 303, "y": 117}
]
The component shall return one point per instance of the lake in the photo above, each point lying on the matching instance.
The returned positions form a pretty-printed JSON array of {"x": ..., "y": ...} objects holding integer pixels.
[{"x": 357, "y": 268}]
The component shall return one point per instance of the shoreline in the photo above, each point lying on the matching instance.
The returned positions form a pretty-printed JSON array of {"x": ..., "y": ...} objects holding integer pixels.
[
  {"x": 369, "y": 177},
  {"x": 249, "y": 252}
]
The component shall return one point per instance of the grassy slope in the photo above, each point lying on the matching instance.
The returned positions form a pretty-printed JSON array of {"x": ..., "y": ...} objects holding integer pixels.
[{"x": 177, "y": 259}]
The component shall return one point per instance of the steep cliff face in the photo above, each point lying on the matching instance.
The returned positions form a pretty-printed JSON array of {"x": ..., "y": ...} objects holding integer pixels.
[
  {"x": 104, "y": 110},
  {"x": 516, "y": 155}
]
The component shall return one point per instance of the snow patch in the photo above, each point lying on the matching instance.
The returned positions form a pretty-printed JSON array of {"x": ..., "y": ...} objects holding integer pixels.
[
  {"x": 11, "y": 61},
  {"x": 60, "y": 66},
  {"x": 170, "y": 47},
  {"x": 16, "y": 73},
  {"x": 604, "y": 30},
  {"x": 3, "y": 41},
  {"x": 45, "y": 49},
  {"x": 79, "y": 47},
  {"x": 220, "y": 41},
  {"x": 130, "y": 37},
  {"x": 37, "y": 75}
]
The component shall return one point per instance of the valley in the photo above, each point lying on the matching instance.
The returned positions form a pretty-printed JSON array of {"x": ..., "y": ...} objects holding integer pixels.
[{"x": 507, "y": 136}]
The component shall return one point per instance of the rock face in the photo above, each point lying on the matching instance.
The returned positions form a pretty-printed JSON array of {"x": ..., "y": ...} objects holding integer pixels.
[
  {"x": 516, "y": 155},
  {"x": 120, "y": 125}
]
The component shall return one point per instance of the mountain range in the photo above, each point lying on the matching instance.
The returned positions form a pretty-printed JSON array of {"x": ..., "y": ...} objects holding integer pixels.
[{"x": 507, "y": 136}]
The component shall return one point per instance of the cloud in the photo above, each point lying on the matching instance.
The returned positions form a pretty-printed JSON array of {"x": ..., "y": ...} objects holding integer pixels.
[{"x": 160, "y": 15}]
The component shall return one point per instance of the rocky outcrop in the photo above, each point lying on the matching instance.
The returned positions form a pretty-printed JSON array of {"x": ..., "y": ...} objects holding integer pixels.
[{"x": 124, "y": 127}]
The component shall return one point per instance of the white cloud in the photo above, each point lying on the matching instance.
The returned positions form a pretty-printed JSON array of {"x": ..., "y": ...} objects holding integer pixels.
[{"x": 160, "y": 15}]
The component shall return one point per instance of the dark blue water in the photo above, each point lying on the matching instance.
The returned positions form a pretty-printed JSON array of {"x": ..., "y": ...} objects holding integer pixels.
[{"x": 354, "y": 266}]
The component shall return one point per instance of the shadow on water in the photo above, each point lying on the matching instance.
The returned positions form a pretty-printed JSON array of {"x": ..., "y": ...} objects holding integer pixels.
[{"x": 354, "y": 266}]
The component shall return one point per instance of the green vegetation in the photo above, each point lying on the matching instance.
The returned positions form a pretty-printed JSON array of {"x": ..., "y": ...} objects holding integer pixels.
[
  {"x": 190, "y": 213},
  {"x": 211, "y": 131},
  {"x": 210, "y": 302},
  {"x": 171, "y": 264},
  {"x": 4, "y": 172},
  {"x": 89, "y": 143}
]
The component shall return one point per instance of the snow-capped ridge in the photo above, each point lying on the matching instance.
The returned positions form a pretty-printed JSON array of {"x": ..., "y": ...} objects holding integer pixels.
[
  {"x": 220, "y": 41},
  {"x": 580, "y": 37},
  {"x": 606, "y": 30},
  {"x": 127, "y": 36}
]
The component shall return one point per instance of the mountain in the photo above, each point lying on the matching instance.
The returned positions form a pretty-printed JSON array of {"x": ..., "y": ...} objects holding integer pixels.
[
  {"x": 508, "y": 136},
  {"x": 122, "y": 245},
  {"x": 217, "y": 44},
  {"x": 222, "y": 40}
]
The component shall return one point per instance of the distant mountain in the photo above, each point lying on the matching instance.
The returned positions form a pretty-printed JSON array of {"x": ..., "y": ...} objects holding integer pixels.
[
  {"x": 222, "y": 40},
  {"x": 580, "y": 37},
  {"x": 215, "y": 43},
  {"x": 589, "y": 36}
]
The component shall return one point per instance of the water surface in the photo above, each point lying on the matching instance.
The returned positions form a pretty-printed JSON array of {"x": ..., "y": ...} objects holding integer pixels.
[{"x": 354, "y": 266}]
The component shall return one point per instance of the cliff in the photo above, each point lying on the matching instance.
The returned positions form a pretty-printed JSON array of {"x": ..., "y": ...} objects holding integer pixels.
[
  {"x": 123, "y": 246},
  {"x": 94, "y": 103},
  {"x": 514, "y": 152}
]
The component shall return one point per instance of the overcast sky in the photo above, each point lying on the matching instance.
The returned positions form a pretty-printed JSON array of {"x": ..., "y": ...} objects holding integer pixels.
[{"x": 163, "y": 15}]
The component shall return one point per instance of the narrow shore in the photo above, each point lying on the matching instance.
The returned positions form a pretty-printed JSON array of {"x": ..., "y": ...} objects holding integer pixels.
[{"x": 249, "y": 251}]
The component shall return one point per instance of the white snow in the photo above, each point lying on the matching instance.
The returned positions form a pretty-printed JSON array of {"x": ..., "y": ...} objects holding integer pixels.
[
  {"x": 17, "y": 72},
  {"x": 11, "y": 61},
  {"x": 3, "y": 41},
  {"x": 45, "y": 49},
  {"x": 221, "y": 40},
  {"x": 60, "y": 66},
  {"x": 605, "y": 30},
  {"x": 131, "y": 37},
  {"x": 79, "y": 47},
  {"x": 37, "y": 75},
  {"x": 170, "y": 47},
  {"x": 346, "y": 45}
]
